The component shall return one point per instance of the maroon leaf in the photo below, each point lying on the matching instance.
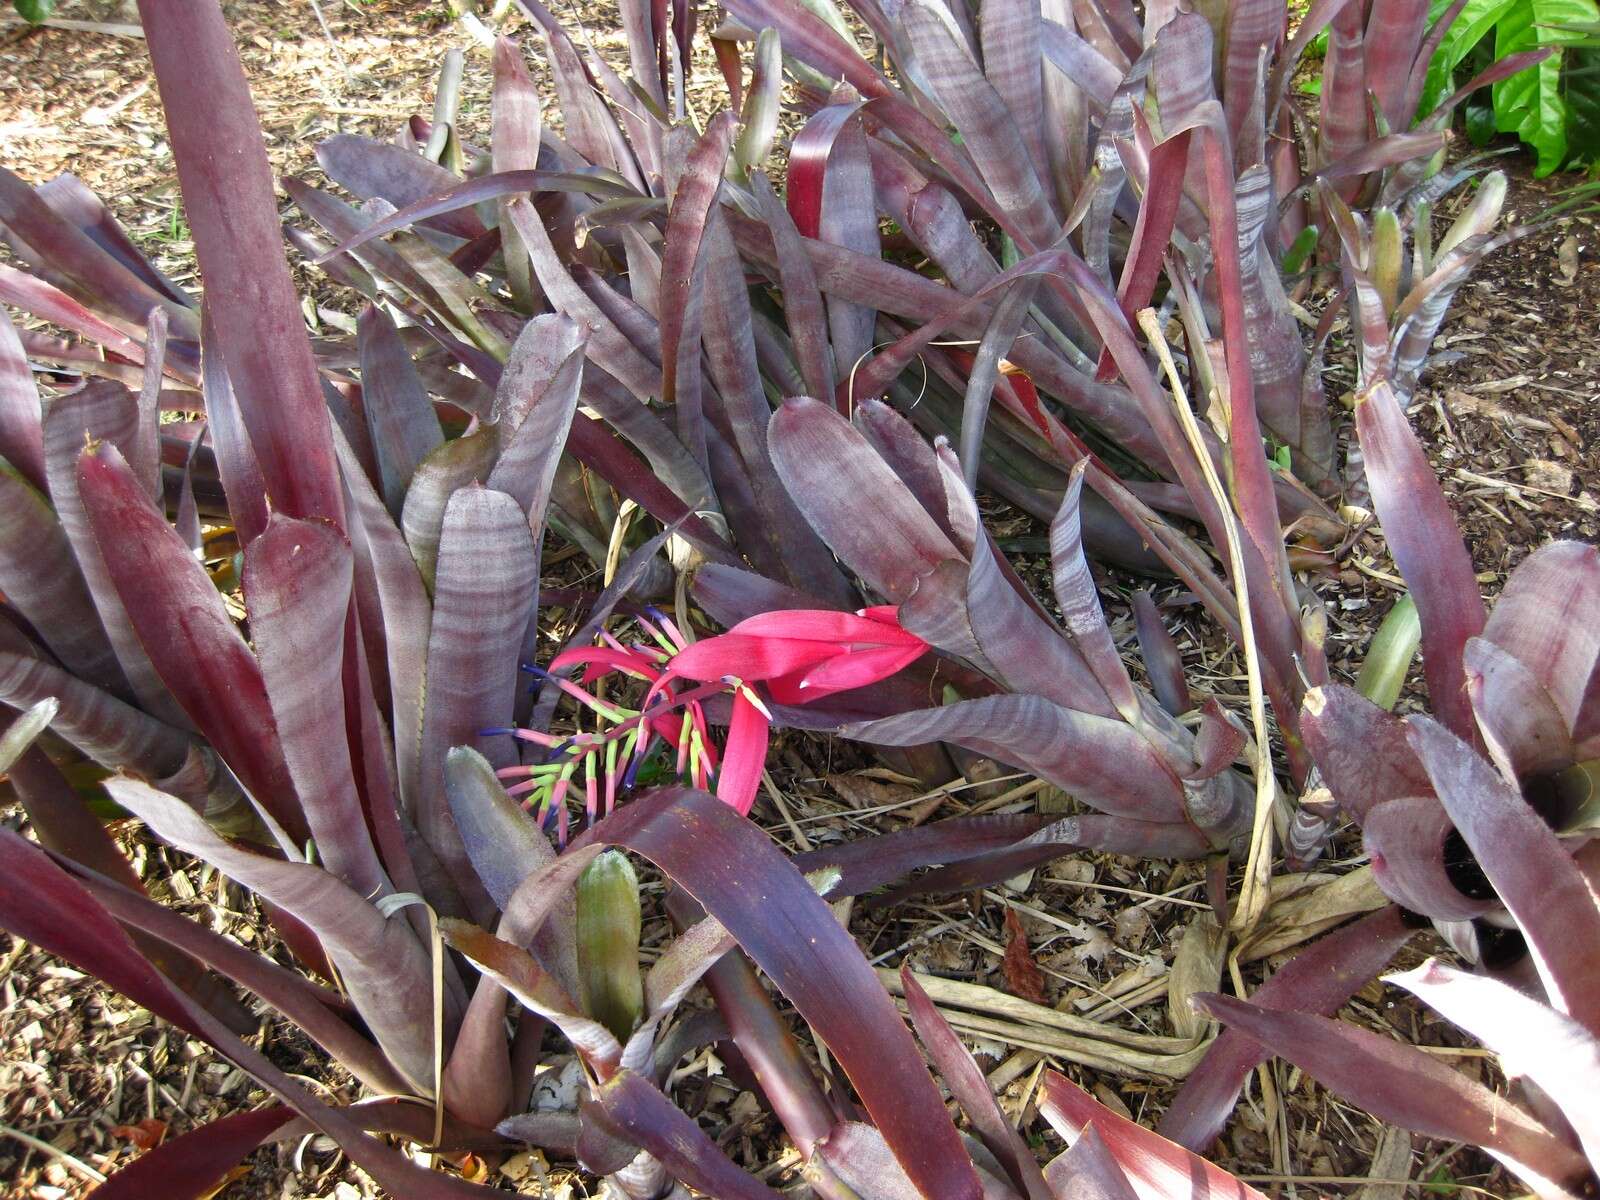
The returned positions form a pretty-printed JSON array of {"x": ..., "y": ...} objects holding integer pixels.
[
  {"x": 181, "y": 620},
  {"x": 988, "y": 130},
  {"x": 1101, "y": 761},
  {"x": 1079, "y": 600},
  {"x": 192, "y": 1167},
  {"x": 1538, "y": 621},
  {"x": 803, "y": 304},
  {"x": 381, "y": 963},
  {"x": 1401, "y": 1084},
  {"x": 1522, "y": 729},
  {"x": 21, "y": 425},
  {"x": 1427, "y": 547},
  {"x": 1156, "y": 1168},
  {"x": 1163, "y": 662},
  {"x": 1089, "y": 1170},
  {"x": 100, "y": 410},
  {"x": 1531, "y": 870},
  {"x": 53, "y": 305},
  {"x": 1319, "y": 979},
  {"x": 1394, "y": 33},
  {"x": 698, "y": 188},
  {"x": 400, "y": 417},
  {"x": 236, "y": 458},
  {"x": 88, "y": 270},
  {"x": 1360, "y": 749},
  {"x": 1405, "y": 838},
  {"x": 297, "y": 588},
  {"x": 687, "y": 1152},
  {"x": 830, "y": 470},
  {"x": 787, "y": 929},
  {"x": 1554, "y": 1051},
  {"x": 479, "y": 619},
  {"x": 40, "y": 579},
  {"x": 228, "y": 197},
  {"x": 114, "y": 734},
  {"x": 43, "y": 905},
  {"x": 830, "y": 198},
  {"x": 401, "y": 176},
  {"x": 317, "y": 1011},
  {"x": 967, "y": 1084}
]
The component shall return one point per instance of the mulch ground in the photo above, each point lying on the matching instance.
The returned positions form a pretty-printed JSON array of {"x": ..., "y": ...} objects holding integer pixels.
[{"x": 1509, "y": 414}]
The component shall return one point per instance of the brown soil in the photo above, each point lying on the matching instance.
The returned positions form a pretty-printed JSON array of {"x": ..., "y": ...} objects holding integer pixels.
[{"x": 1508, "y": 411}]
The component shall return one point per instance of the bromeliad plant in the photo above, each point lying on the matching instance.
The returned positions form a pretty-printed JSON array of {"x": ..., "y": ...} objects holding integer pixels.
[{"x": 1480, "y": 817}]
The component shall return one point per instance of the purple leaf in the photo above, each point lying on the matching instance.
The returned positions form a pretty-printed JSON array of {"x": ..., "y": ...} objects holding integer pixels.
[
  {"x": 1393, "y": 36},
  {"x": 1531, "y": 870},
  {"x": 1540, "y": 620},
  {"x": 21, "y": 425},
  {"x": 92, "y": 274},
  {"x": 458, "y": 196},
  {"x": 479, "y": 618},
  {"x": 1405, "y": 839},
  {"x": 1400, "y": 1084},
  {"x": 830, "y": 198},
  {"x": 1521, "y": 727},
  {"x": 830, "y": 470},
  {"x": 43, "y": 905},
  {"x": 297, "y": 589},
  {"x": 100, "y": 410},
  {"x": 787, "y": 929},
  {"x": 1163, "y": 662},
  {"x": 1319, "y": 979},
  {"x": 1101, "y": 761},
  {"x": 114, "y": 734},
  {"x": 1157, "y": 1169},
  {"x": 194, "y": 1165},
  {"x": 68, "y": 196},
  {"x": 688, "y": 1153},
  {"x": 236, "y": 458},
  {"x": 41, "y": 580},
  {"x": 512, "y": 968},
  {"x": 56, "y": 307},
  {"x": 1554, "y": 1051},
  {"x": 381, "y": 963},
  {"x": 1081, "y": 63},
  {"x": 988, "y": 129},
  {"x": 228, "y": 197},
  {"x": 317, "y": 1011},
  {"x": 181, "y": 620},
  {"x": 1089, "y": 1170},
  {"x": 1427, "y": 548},
  {"x": 967, "y": 1084},
  {"x": 1079, "y": 600},
  {"x": 451, "y": 466},
  {"x": 403, "y": 177},
  {"x": 803, "y": 306},
  {"x": 400, "y": 417},
  {"x": 1093, "y": 832},
  {"x": 1360, "y": 749},
  {"x": 699, "y": 186}
]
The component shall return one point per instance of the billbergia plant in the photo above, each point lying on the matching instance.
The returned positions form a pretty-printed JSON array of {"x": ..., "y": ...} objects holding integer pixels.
[
  {"x": 279, "y": 592},
  {"x": 1480, "y": 817}
]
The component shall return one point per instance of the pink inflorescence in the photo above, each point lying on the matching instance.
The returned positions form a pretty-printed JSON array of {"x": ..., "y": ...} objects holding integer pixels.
[{"x": 798, "y": 656}]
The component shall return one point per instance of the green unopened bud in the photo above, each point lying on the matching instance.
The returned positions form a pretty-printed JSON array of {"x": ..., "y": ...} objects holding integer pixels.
[
  {"x": 1388, "y": 257},
  {"x": 759, "y": 119},
  {"x": 608, "y": 943},
  {"x": 1389, "y": 657}
]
